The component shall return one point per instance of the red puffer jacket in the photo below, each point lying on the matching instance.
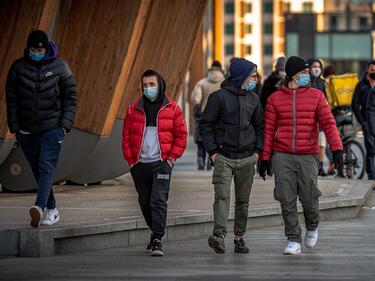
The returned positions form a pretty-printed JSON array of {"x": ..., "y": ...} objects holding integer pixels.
[
  {"x": 172, "y": 133},
  {"x": 291, "y": 122}
]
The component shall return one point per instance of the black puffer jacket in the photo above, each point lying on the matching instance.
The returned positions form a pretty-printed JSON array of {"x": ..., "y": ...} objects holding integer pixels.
[
  {"x": 232, "y": 123},
  {"x": 40, "y": 95},
  {"x": 360, "y": 99}
]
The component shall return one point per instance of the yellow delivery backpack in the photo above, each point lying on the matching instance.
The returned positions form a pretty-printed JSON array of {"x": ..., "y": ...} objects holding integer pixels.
[{"x": 340, "y": 89}]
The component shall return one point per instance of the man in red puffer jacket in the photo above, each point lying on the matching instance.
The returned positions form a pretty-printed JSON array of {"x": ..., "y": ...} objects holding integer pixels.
[
  {"x": 154, "y": 136},
  {"x": 292, "y": 118}
]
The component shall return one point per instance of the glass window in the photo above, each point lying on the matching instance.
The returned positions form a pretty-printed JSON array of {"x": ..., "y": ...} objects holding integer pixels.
[
  {"x": 333, "y": 22},
  {"x": 268, "y": 7},
  {"x": 268, "y": 49},
  {"x": 248, "y": 28},
  {"x": 307, "y": 7},
  {"x": 229, "y": 28},
  {"x": 229, "y": 8},
  {"x": 322, "y": 46},
  {"x": 291, "y": 42},
  {"x": 268, "y": 29},
  {"x": 351, "y": 46},
  {"x": 363, "y": 23},
  {"x": 287, "y": 7},
  {"x": 248, "y": 8},
  {"x": 229, "y": 49}
]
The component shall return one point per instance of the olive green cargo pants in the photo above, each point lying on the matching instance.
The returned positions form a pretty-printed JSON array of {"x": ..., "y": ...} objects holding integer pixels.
[{"x": 243, "y": 171}]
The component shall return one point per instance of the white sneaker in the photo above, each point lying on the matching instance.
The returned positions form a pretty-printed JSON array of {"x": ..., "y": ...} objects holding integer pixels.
[
  {"x": 52, "y": 217},
  {"x": 311, "y": 238},
  {"x": 293, "y": 248},
  {"x": 36, "y": 214}
]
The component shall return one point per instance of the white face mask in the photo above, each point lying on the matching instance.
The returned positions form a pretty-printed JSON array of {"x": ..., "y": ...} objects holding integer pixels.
[{"x": 316, "y": 71}]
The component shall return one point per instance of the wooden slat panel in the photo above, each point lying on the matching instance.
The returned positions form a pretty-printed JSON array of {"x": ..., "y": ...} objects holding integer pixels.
[
  {"x": 17, "y": 19},
  {"x": 166, "y": 46},
  {"x": 95, "y": 44}
]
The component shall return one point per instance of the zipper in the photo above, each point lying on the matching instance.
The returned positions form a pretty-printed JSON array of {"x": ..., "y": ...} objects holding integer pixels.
[
  {"x": 294, "y": 122},
  {"x": 143, "y": 134},
  {"x": 157, "y": 129},
  {"x": 37, "y": 92}
]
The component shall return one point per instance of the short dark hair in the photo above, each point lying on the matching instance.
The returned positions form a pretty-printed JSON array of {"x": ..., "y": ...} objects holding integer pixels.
[
  {"x": 371, "y": 62},
  {"x": 216, "y": 63},
  {"x": 149, "y": 73}
]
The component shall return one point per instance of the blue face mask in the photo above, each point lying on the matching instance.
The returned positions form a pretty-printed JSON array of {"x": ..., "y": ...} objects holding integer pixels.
[
  {"x": 37, "y": 57},
  {"x": 151, "y": 92},
  {"x": 250, "y": 85},
  {"x": 303, "y": 80}
]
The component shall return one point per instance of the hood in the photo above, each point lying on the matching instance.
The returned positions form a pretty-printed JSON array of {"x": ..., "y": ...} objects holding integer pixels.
[
  {"x": 215, "y": 75},
  {"x": 51, "y": 53},
  {"x": 162, "y": 88}
]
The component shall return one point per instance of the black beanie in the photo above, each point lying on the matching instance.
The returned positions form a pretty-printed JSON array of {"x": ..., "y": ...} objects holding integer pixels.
[
  {"x": 294, "y": 65},
  {"x": 37, "y": 39}
]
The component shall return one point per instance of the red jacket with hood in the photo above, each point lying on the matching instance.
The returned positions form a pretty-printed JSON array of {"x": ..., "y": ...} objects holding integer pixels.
[
  {"x": 292, "y": 119},
  {"x": 171, "y": 128}
]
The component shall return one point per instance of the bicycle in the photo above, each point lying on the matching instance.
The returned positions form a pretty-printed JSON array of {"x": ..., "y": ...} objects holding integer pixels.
[{"x": 354, "y": 153}]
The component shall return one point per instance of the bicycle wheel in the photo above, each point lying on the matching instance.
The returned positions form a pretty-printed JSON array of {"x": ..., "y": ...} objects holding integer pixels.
[{"x": 354, "y": 159}]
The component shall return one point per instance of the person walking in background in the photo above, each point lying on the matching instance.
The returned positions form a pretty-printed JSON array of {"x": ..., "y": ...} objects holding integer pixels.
[
  {"x": 316, "y": 69},
  {"x": 199, "y": 97},
  {"x": 269, "y": 85},
  {"x": 360, "y": 103},
  {"x": 292, "y": 119},
  {"x": 41, "y": 96},
  {"x": 154, "y": 136},
  {"x": 232, "y": 131}
]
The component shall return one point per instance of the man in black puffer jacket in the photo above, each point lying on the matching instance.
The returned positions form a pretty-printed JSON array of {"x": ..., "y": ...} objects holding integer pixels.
[
  {"x": 232, "y": 131},
  {"x": 41, "y": 97}
]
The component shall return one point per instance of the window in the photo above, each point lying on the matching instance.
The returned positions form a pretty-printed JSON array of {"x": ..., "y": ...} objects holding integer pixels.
[
  {"x": 307, "y": 7},
  {"x": 247, "y": 50},
  {"x": 229, "y": 28},
  {"x": 229, "y": 8},
  {"x": 268, "y": 28},
  {"x": 268, "y": 7},
  {"x": 287, "y": 7},
  {"x": 268, "y": 49},
  {"x": 229, "y": 49},
  {"x": 248, "y": 8},
  {"x": 363, "y": 23},
  {"x": 333, "y": 22},
  {"x": 248, "y": 28}
]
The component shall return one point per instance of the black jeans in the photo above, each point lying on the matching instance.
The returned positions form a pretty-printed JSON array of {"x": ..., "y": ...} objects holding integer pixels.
[
  {"x": 152, "y": 181},
  {"x": 370, "y": 152},
  {"x": 42, "y": 152},
  {"x": 201, "y": 151}
]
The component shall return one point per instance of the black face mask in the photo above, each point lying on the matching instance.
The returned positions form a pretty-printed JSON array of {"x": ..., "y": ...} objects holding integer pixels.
[{"x": 372, "y": 75}]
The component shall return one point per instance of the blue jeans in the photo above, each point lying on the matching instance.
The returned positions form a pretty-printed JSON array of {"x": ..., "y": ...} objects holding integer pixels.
[{"x": 42, "y": 152}]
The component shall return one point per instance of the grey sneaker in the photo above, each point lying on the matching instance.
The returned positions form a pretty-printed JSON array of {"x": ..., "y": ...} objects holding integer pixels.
[{"x": 216, "y": 242}]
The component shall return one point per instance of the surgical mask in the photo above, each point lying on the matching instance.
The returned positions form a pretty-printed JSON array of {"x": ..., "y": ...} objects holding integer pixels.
[
  {"x": 303, "y": 80},
  {"x": 282, "y": 74},
  {"x": 372, "y": 75},
  {"x": 316, "y": 71},
  {"x": 37, "y": 57},
  {"x": 250, "y": 85},
  {"x": 151, "y": 92}
]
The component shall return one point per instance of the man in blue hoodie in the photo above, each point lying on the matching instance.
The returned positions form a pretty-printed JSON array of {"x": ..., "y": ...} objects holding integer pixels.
[
  {"x": 232, "y": 131},
  {"x": 41, "y": 98}
]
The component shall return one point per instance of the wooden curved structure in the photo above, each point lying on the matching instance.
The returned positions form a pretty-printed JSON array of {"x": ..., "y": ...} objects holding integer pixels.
[{"x": 108, "y": 45}]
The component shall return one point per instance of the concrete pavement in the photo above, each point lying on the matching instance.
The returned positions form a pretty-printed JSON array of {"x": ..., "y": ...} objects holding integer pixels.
[{"x": 345, "y": 251}]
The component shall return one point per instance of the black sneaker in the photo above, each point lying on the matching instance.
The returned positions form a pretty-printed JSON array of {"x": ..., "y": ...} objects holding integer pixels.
[
  {"x": 157, "y": 248},
  {"x": 216, "y": 242},
  {"x": 240, "y": 247},
  {"x": 149, "y": 246}
]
